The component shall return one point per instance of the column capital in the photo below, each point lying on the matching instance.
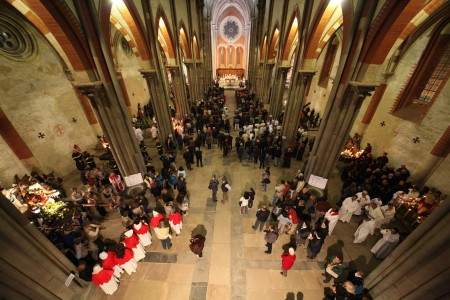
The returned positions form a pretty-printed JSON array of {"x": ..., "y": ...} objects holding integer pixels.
[
  {"x": 361, "y": 90},
  {"x": 89, "y": 89},
  {"x": 306, "y": 75},
  {"x": 284, "y": 69},
  {"x": 148, "y": 73}
]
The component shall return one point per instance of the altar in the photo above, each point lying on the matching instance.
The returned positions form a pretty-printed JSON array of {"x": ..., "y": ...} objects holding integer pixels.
[{"x": 230, "y": 81}]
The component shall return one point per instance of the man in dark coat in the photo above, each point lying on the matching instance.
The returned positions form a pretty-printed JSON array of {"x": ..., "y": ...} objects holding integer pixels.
[
  {"x": 261, "y": 217},
  {"x": 187, "y": 155}
]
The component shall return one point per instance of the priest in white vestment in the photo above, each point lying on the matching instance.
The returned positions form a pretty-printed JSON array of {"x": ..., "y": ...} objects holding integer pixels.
[
  {"x": 364, "y": 230},
  {"x": 363, "y": 199},
  {"x": 386, "y": 244},
  {"x": 388, "y": 212},
  {"x": 349, "y": 206}
]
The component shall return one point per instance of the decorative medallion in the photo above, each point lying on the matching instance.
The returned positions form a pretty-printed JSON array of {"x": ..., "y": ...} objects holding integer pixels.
[
  {"x": 230, "y": 29},
  {"x": 59, "y": 130},
  {"x": 74, "y": 120},
  {"x": 41, "y": 135},
  {"x": 16, "y": 41},
  {"x": 383, "y": 123},
  {"x": 416, "y": 140}
]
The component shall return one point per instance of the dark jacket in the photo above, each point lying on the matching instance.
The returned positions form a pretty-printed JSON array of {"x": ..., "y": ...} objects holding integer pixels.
[
  {"x": 262, "y": 215},
  {"x": 315, "y": 245}
]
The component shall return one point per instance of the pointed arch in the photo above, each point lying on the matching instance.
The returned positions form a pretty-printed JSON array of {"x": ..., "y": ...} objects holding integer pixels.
[
  {"x": 273, "y": 41},
  {"x": 66, "y": 38},
  {"x": 263, "y": 48},
  {"x": 184, "y": 41},
  {"x": 330, "y": 33},
  {"x": 291, "y": 35},
  {"x": 388, "y": 28},
  {"x": 125, "y": 34},
  {"x": 137, "y": 28},
  {"x": 196, "y": 46},
  {"x": 162, "y": 24},
  {"x": 428, "y": 78},
  {"x": 328, "y": 10}
]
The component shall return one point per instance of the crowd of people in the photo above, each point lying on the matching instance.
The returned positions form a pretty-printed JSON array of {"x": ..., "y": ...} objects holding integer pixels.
[{"x": 370, "y": 194}]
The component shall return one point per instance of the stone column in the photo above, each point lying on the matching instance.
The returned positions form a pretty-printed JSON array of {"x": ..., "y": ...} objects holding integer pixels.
[
  {"x": 335, "y": 129},
  {"x": 295, "y": 103},
  {"x": 193, "y": 84},
  {"x": 178, "y": 91},
  {"x": 419, "y": 267},
  {"x": 159, "y": 104},
  {"x": 32, "y": 267},
  {"x": 124, "y": 90},
  {"x": 118, "y": 131},
  {"x": 17, "y": 144},
  {"x": 266, "y": 82},
  {"x": 279, "y": 87}
]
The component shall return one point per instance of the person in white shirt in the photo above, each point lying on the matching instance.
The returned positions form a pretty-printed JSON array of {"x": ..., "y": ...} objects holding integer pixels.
[
  {"x": 388, "y": 212},
  {"x": 363, "y": 199},
  {"x": 349, "y": 206},
  {"x": 386, "y": 244},
  {"x": 139, "y": 134}
]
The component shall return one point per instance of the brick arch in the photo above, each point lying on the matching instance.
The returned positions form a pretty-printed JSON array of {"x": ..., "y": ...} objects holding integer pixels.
[
  {"x": 129, "y": 14},
  {"x": 161, "y": 19},
  {"x": 196, "y": 46},
  {"x": 324, "y": 14},
  {"x": 57, "y": 24},
  {"x": 184, "y": 41},
  {"x": 125, "y": 34},
  {"x": 273, "y": 41},
  {"x": 429, "y": 16},
  {"x": 292, "y": 33},
  {"x": 392, "y": 23},
  {"x": 328, "y": 36}
]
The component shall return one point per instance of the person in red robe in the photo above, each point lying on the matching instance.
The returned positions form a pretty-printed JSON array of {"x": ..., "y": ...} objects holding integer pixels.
[
  {"x": 104, "y": 279},
  {"x": 287, "y": 261},
  {"x": 125, "y": 259},
  {"x": 131, "y": 241},
  {"x": 109, "y": 263},
  {"x": 142, "y": 230},
  {"x": 176, "y": 222},
  {"x": 157, "y": 218}
]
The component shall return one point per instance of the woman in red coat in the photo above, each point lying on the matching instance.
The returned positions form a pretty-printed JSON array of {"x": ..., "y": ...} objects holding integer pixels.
[{"x": 287, "y": 261}]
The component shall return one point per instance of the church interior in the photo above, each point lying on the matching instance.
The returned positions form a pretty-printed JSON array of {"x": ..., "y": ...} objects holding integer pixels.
[{"x": 357, "y": 87}]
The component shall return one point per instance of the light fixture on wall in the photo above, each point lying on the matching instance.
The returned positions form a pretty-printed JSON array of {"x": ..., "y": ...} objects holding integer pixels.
[
  {"x": 118, "y": 3},
  {"x": 335, "y": 2}
]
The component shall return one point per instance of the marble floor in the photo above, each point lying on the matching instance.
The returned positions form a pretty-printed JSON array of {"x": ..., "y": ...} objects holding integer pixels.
[{"x": 234, "y": 264}]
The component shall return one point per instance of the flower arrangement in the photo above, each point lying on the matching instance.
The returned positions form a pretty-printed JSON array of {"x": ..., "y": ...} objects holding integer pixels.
[{"x": 54, "y": 211}]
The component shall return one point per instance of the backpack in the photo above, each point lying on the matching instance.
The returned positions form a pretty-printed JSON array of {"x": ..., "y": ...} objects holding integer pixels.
[{"x": 223, "y": 187}]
